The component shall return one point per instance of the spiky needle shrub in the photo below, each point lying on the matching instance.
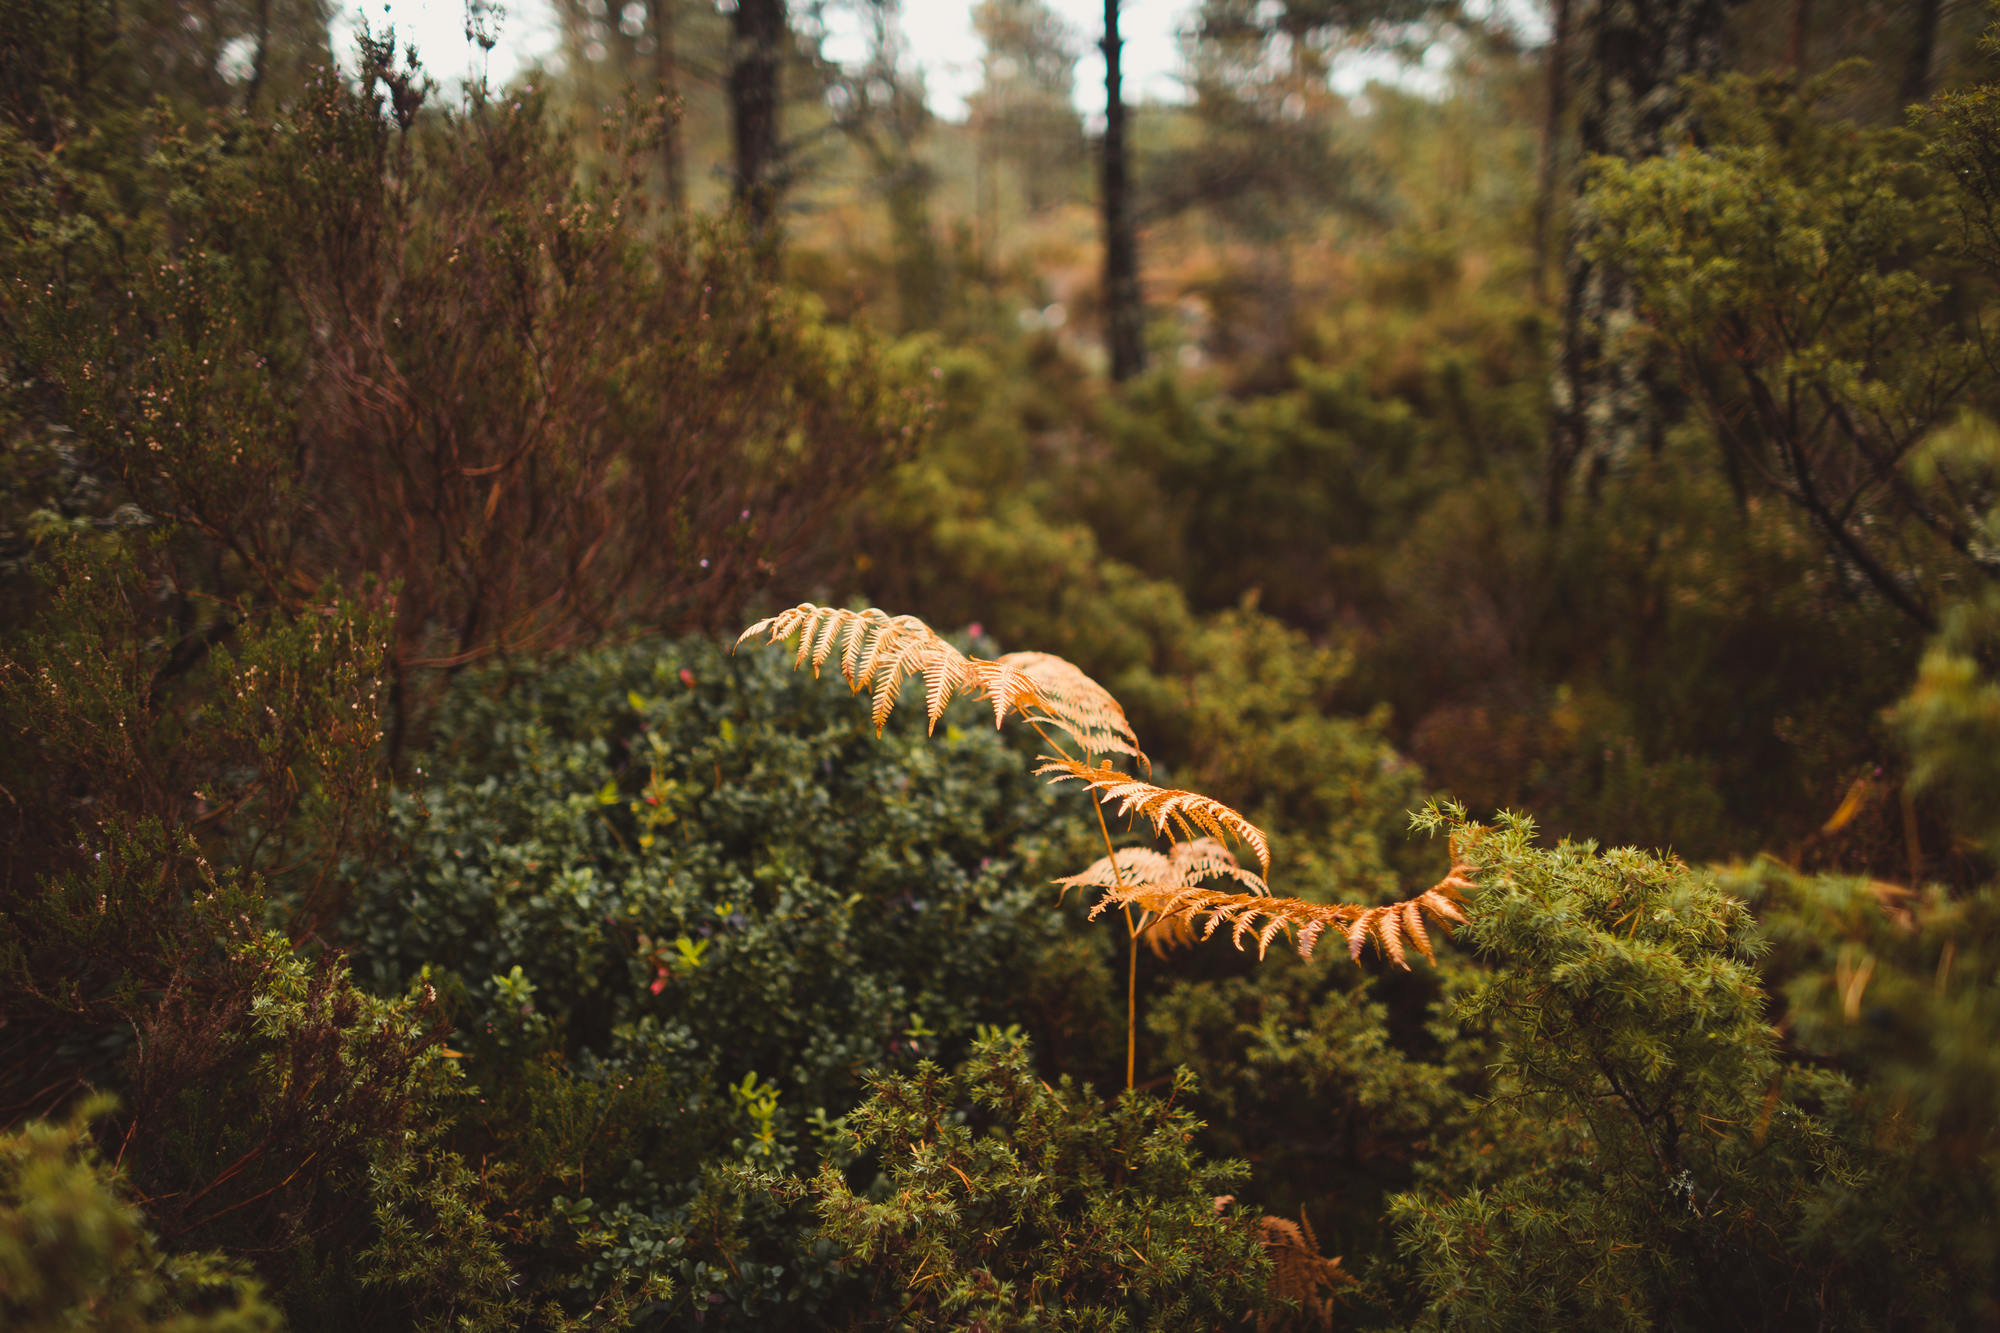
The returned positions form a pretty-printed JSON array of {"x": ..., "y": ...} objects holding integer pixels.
[
  {"x": 1011, "y": 1203},
  {"x": 1648, "y": 1153},
  {"x": 1896, "y": 988},
  {"x": 75, "y": 1253}
]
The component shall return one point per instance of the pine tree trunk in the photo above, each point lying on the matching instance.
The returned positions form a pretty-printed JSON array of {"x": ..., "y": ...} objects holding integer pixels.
[
  {"x": 1552, "y": 122},
  {"x": 1124, "y": 319},
  {"x": 666, "y": 74},
  {"x": 1795, "y": 48},
  {"x": 1609, "y": 399},
  {"x": 1923, "y": 51},
  {"x": 753, "y": 106}
]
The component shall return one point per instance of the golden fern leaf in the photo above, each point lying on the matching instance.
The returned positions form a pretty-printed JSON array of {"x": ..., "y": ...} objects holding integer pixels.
[
  {"x": 1357, "y": 935},
  {"x": 1180, "y": 816},
  {"x": 1392, "y": 927},
  {"x": 1182, "y": 866},
  {"x": 1042, "y": 687},
  {"x": 877, "y": 651},
  {"x": 1167, "y": 936},
  {"x": 1413, "y": 926},
  {"x": 815, "y": 621},
  {"x": 1388, "y": 927},
  {"x": 1130, "y": 865}
]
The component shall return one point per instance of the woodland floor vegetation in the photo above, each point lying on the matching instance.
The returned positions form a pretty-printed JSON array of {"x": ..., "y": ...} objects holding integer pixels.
[{"x": 424, "y": 905}]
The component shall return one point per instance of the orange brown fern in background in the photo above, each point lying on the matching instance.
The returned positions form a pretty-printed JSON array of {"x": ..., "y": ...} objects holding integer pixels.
[
  {"x": 1161, "y": 895},
  {"x": 1306, "y": 1281}
]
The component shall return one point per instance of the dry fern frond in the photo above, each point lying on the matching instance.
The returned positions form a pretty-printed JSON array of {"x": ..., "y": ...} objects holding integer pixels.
[
  {"x": 1395, "y": 928},
  {"x": 1181, "y": 816},
  {"x": 1166, "y": 936},
  {"x": 1299, "y": 1272},
  {"x": 1184, "y": 865},
  {"x": 877, "y": 650},
  {"x": 1042, "y": 687}
]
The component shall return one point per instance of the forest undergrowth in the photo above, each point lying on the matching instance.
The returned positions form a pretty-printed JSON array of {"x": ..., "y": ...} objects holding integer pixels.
[{"x": 417, "y": 912}]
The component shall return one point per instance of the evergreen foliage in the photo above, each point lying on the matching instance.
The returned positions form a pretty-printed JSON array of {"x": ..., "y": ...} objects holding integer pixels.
[
  {"x": 74, "y": 1253},
  {"x": 1894, "y": 988},
  {"x": 1005, "y": 1202},
  {"x": 1822, "y": 396},
  {"x": 1647, "y": 1153}
]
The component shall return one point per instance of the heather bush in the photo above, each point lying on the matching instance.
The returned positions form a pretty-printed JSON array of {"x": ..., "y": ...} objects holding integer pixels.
[{"x": 256, "y": 372}]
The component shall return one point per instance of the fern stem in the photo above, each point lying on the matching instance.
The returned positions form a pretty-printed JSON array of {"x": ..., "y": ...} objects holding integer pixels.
[
  {"x": 1131, "y": 1002},
  {"x": 1132, "y": 942},
  {"x": 1132, "y": 929}
]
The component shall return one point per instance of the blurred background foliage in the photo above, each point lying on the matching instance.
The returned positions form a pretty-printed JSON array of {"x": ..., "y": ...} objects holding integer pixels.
[{"x": 412, "y": 915}]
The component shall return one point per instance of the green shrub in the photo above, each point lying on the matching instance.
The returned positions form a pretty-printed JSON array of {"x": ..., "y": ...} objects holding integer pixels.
[
  {"x": 1646, "y": 1154},
  {"x": 678, "y": 903},
  {"x": 983, "y": 528},
  {"x": 75, "y": 1254},
  {"x": 245, "y": 366},
  {"x": 341, "y": 340},
  {"x": 1896, "y": 989},
  {"x": 1311, "y": 1071},
  {"x": 1005, "y": 1202}
]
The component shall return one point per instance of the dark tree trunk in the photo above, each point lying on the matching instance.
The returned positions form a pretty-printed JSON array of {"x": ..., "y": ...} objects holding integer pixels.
[
  {"x": 1795, "y": 48},
  {"x": 1609, "y": 398},
  {"x": 1552, "y": 126},
  {"x": 256, "y": 84},
  {"x": 1923, "y": 51},
  {"x": 666, "y": 75},
  {"x": 753, "y": 106},
  {"x": 919, "y": 269},
  {"x": 1124, "y": 318}
]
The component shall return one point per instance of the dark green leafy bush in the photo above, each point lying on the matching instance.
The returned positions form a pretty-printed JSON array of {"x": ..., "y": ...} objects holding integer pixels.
[
  {"x": 678, "y": 903},
  {"x": 1305, "y": 1074}
]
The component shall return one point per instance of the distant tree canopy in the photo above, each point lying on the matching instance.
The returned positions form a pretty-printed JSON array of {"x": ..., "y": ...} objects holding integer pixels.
[
  {"x": 1023, "y": 110},
  {"x": 1822, "y": 291},
  {"x": 76, "y": 59}
]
